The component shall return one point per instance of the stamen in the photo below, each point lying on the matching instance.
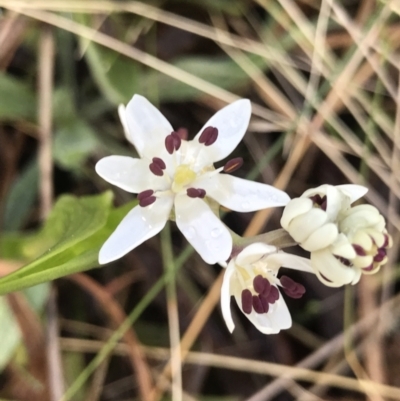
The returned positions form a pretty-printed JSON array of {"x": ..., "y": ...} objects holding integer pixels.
[
  {"x": 147, "y": 201},
  {"x": 260, "y": 283},
  {"x": 233, "y": 165},
  {"x": 320, "y": 201},
  {"x": 273, "y": 295},
  {"x": 196, "y": 193},
  {"x": 156, "y": 169},
  {"x": 208, "y": 136},
  {"x": 380, "y": 255},
  {"x": 160, "y": 163},
  {"x": 145, "y": 194},
  {"x": 360, "y": 251},
  {"x": 257, "y": 305},
  {"x": 247, "y": 301},
  {"x": 172, "y": 142},
  {"x": 183, "y": 133},
  {"x": 177, "y": 140},
  {"x": 291, "y": 288},
  {"x": 343, "y": 260},
  {"x": 264, "y": 303}
]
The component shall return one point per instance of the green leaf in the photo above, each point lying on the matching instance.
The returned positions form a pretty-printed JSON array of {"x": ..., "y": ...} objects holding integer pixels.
[
  {"x": 73, "y": 253},
  {"x": 74, "y": 142},
  {"x": 18, "y": 100},
  {"x": 20, "y": 198}
]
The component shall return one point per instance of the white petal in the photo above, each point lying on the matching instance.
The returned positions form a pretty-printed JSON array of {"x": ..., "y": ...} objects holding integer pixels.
[
  {"x": 325, "y": 264},
  {"x": 242, "y": 195},
  {"x": 354, "y": 192},
  {"x": 253, "y": 253},
  {"x": 122, "y": 117},
  {"x": 295, "y": 208},
  {"x": 132, "y": 175},
  {"x": 140, "y": 224},
  {"x": 334, "y": 202},
  {"x": 232, "y": 122},
  {"x": 301, "y": 227},
  {"x": 147, "y": 127},
  {"x": 278, "y": 317},
  {"x": 321, "y": 238},
  {"x": 226, "y": 296},
  {"x": 203, "y": 229},
  {"x": 283, "y": 259}
]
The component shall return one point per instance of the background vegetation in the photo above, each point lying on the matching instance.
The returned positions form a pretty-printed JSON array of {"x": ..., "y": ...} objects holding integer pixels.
[{"x": 323, "y": 77}]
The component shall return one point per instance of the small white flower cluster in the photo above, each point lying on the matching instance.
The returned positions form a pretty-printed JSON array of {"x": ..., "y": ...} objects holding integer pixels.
[
  {"x": 176, "y": 179},
  {"x": 344, "y": 241}
]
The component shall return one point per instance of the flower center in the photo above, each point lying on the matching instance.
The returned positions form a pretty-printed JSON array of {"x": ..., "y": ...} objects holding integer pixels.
[{"x": 184, "y": 175}]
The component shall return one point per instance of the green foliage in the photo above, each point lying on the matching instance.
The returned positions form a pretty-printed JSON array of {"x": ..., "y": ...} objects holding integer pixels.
[
  {"x": 69, "y": 242},
  {"x": 20, "y": 197},
  {"x": 20, "y": 101}
]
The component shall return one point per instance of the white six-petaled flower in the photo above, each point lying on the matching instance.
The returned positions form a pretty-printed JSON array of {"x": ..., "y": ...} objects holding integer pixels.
[
  {"x": 251, "y": 277},
  {"x": 344, "y": 241},
  {"x": 174, "y": 174}
]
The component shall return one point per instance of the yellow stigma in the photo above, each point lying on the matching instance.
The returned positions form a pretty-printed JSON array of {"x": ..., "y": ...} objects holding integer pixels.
[{"x": 183, "y": 177}]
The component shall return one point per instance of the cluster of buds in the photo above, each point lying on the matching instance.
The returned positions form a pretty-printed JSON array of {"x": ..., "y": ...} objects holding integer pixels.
[{"x": 344, "y": 241}]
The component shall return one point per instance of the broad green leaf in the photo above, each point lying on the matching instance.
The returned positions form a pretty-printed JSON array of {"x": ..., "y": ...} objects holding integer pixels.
[
  {"x": 20, "y": 198},
  {"x": 116, "y": 75},
  {"x": 74, "y": 142},
  {"x": 69, "y": 256},
  {"x": 17, "y": 100}
]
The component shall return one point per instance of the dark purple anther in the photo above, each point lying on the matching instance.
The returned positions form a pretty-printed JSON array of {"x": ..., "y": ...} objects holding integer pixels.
[
  {"x": 183, "y": 133},
  {"x": 320, "y": 201},
  {"x": 259, "y": 284},
  {"x": 273, "y": 295},
  {"x": 177, "y": 140},
  {"x": 360, "y": 251},
  {"x": 264, "y": 303},
  {"x": 196, "y": 193},
  {"x": 380, "y": 255},
  {"x": 170, "y": 144},
  {"x": 257, "y": 305},
  {"x": 145, "y": 194},
  {"x": 208, "y": 136},
  {"x": 160, "y": 163},
  {"x": 233, "y": 165},
  {"x": 147, "y": 201},
  {"x": 247, "y": 301},
  {"x": 287, "y": 282},
  {"x": 156, "y": 169}
]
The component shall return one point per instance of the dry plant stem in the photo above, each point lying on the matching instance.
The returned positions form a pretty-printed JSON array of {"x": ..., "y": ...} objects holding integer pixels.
[
  {"x": 96, "y": 388},
  {"x": 117, "y": 316},
  {"x": 46, "y": 73},
  {"x": 173, "y": 315},
  {"x": 286, "y": 373},
  {"x": 146, "y": 59},
  {"x": 322, "y": 353},
  {"x": 373, "y": 355},
  {"x": 388, "y": 272},
  {"x": 46, "y": 67},
  {"x": 54, "y": 360}
]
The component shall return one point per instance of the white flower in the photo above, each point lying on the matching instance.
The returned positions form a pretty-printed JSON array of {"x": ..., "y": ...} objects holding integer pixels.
[
  {"x": 251, "y": 277},
  {"x": 173, "y": 173},
  {"x": 344, "y": 241}
]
